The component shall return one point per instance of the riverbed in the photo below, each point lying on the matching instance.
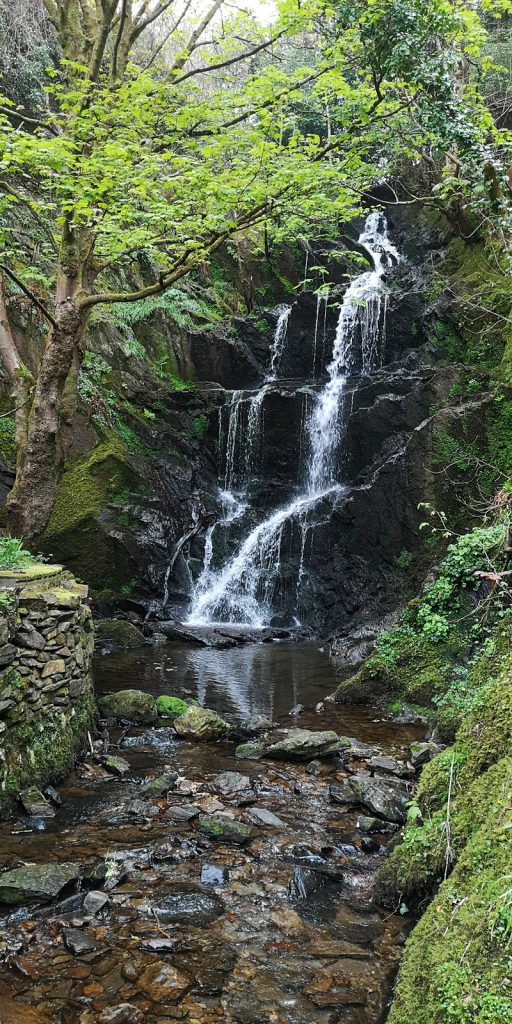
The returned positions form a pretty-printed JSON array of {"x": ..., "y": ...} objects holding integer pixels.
[{"x": 282, "y": 930}]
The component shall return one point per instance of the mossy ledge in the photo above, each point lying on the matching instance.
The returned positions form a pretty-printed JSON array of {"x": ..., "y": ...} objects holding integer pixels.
[{"x": 456, "y": 851}]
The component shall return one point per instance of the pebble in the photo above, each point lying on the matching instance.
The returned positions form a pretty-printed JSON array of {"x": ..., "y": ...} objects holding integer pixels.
[{"x": 213, "y": 875}]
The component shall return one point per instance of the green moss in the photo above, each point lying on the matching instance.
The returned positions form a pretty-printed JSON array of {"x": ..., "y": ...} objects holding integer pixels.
[
  {"x": 75, "y": 534},
  {"x": 456, "y": 966},
  {"x": 119, "y": 633},
  {"x": 404, "y": 665},
  {"x": 38, "y": 571},
  {"x": 86, "y": 485},
  {"x": 8, "y": 440},
  {"x": 422, "y": 660},
  {"x": 170, "y": 707},
  {"x": 44, "y": 749},
  {"x": 129, "y": 705},
  {"x": 472, "y": 775}
]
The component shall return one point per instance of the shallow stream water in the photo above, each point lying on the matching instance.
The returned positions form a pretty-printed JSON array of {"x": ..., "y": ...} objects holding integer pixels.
[{"x": 283, "y": 931}]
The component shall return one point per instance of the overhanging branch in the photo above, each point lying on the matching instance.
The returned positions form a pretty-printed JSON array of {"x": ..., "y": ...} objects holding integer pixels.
[{"x": 30, "y": 295}]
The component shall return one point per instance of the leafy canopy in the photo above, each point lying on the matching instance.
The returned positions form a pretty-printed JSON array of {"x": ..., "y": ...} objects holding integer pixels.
[{"x": 174, "y": 158}]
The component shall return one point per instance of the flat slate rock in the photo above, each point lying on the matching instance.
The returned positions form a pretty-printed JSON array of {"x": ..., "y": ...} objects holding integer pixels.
[
  {"x": 211, "y": 874},
  {"x": 182, "y": 812},
  {"x": 221, "y": 636},
  {"x": 264, "y": 817},
  {"x": 35, "y": 804},
  {"x": 189, "y": 907},
  {"x": 304, "y": 745},
  {"x": 385, "y": 799},
  {"x": 36, "y": 883},
  {"x": 77, "y": 941},
  {"x": 233, "y": 787}
]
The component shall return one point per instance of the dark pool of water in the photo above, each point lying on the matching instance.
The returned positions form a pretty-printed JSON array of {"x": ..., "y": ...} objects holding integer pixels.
[{"x": 266, "y": 678}]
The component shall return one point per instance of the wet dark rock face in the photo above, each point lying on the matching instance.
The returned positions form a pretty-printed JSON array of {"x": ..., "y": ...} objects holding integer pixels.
[{"x": 139, "y": 535}]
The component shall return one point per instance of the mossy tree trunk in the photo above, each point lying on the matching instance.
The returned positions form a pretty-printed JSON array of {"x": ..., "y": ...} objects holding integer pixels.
[
  {"x": 40, "y": 460},
  {"x": 21, "y": 380}
]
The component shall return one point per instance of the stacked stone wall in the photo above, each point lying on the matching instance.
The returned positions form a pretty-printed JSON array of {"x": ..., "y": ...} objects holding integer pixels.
[{"x": 46, "y": 693}]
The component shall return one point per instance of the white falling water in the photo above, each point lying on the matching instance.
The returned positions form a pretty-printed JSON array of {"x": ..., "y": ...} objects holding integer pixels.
[
  {"x": 238, "y": 470},
  {"x": 362, "y": 313},
  {"x": 242, "y": 590},
  {"x": 276, "y": 349}
]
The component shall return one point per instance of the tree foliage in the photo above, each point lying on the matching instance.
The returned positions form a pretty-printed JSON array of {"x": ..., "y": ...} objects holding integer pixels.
[{"x": 165, "y": 133}]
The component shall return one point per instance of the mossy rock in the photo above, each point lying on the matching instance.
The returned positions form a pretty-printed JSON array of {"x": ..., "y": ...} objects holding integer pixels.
[
  {"x": 201, "y": 724},
  {"x": 170, "y": 707},
  {"x": 225, "y": 830},
  {"x": 37, "y": 571},
  {"x": 119, "y": 633},
  {"x": 475, "y": 772},
  {"x": 415, "y": 670},
  {"x": 86, "y": 485},
  {"x": 80, "y": 530},
  {"x": 129, "y": 706},
  {"x": 251, "y": 751}
]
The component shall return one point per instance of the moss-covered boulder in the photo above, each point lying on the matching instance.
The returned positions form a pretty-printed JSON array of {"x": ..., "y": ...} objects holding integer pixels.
[
  {"x": 457, "y": 849},
  {"x": 304, "y": 745},
  {"x": 250, "y": 751},
  {"x": 201, "y": 724},
  {"x": 225, "y": 830},
  {"x": 133, "y": 706},
  {"x": 403, "y": 666},
  {"x": 119, "y": 633},
  {"x": 83, "y": 527},
  {"x": 170, "y": 707},
  {"x": 456, "y": 963}
]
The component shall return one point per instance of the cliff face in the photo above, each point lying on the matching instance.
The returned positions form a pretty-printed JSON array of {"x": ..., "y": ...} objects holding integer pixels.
[{"x": 148, "y": 447}]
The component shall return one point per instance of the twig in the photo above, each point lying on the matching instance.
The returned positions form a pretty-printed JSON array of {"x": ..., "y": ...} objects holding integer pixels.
[{"x": 449, "y": 851}]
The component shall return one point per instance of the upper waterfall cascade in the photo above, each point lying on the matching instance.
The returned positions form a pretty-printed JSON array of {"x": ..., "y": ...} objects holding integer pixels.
[{"x": 245, "y": 587}]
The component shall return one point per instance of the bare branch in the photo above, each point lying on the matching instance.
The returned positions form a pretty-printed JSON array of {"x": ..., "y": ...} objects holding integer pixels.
[
  {"x": 232, "y": 60},
  {"x": 195, "y": 37},
  {"x": 30, "y": 295},
  {"x": 25, "y": 119}
]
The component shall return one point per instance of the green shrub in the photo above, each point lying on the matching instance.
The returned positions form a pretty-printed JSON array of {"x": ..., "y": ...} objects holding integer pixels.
[{"x": 13, "y": 555}]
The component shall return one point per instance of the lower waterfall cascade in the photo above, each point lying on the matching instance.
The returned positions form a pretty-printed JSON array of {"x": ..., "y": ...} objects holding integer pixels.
[{"x": 244, "y": 587}]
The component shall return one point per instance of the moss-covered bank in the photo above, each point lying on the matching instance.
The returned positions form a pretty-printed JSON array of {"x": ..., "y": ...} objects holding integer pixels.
[{"x": 457, "y": 851}]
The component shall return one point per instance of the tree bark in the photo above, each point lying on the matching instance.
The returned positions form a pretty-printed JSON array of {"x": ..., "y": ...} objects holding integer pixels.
[
  {"x": 21, "y": 380},
  {"x": 32, "y": 499}
]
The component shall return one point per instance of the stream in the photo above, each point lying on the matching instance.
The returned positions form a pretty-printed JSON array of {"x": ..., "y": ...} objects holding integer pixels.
[
  {"x": 267, "y": 917},
  {"x": 182, "y": 927}
]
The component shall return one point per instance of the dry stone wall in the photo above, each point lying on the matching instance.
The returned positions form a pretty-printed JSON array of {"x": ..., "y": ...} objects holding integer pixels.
[{"x": 46, "y": 692}]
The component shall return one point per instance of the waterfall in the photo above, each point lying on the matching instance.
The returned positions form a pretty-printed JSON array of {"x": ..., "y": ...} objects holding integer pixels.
[
  {"x": 362, "y": 313},
  {"x": 245, "y": 588},
  {"x": 277, "y": 346}
]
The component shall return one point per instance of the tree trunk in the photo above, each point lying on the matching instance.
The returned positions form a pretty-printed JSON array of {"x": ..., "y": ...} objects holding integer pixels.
[
  {"x": 32, "y": 499},
  {"x": 22, "y": 381}
]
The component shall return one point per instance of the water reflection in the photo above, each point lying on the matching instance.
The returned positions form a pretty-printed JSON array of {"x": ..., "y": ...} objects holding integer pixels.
[{"x": 259, "y": 678}]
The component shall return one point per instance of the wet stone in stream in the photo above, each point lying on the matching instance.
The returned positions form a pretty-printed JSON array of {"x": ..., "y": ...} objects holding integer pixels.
[{"x": 176, "y": 923}]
